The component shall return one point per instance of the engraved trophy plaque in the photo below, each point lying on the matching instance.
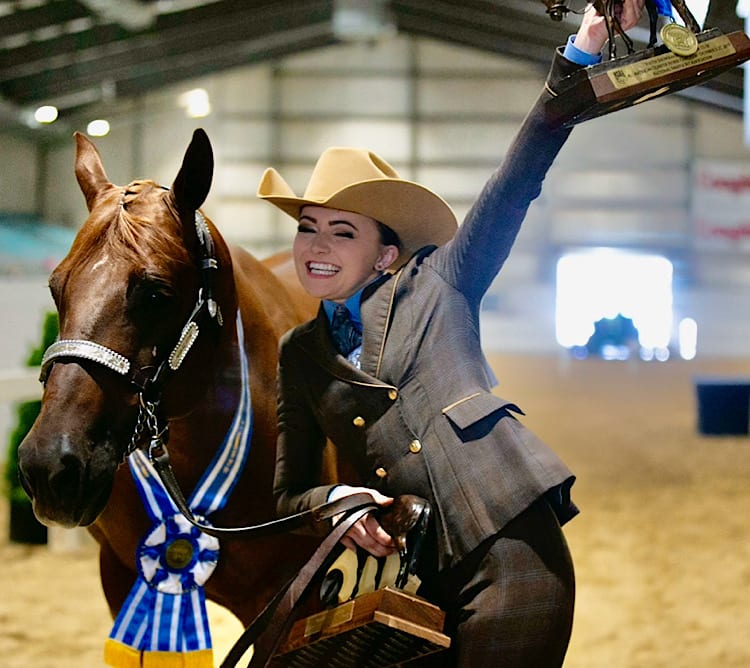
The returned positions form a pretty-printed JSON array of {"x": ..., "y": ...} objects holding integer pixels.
[
  {"x": 377, "y": 629},
  {"x": 686, "y": 56}
]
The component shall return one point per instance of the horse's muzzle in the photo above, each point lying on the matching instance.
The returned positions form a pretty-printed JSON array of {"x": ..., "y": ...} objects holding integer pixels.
[{"x": 66, "y": 489}]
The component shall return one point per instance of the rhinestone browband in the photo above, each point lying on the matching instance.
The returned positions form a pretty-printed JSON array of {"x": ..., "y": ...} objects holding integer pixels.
[{"x": 86, "y": 350}]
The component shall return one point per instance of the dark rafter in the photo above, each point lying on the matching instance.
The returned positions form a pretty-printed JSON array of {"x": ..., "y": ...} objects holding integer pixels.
[{"x": 61, "y": 52}]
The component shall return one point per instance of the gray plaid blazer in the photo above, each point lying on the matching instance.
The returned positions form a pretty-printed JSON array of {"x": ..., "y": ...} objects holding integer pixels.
[{"x": 419, "y": 417}]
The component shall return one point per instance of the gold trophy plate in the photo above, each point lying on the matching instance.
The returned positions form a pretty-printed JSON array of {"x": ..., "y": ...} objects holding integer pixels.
[{"x": 629, "y": 80}]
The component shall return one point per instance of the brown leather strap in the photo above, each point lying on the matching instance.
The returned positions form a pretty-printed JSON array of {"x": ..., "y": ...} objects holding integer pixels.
[
  {"x": 160, "y": 459},
  {"x": 279, "y": 615}
]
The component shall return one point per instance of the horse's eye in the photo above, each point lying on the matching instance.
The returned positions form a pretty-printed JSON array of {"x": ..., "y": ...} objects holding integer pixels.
[
  {"x": 156, "y": 298},
  {"x": 149, "y": 297}
]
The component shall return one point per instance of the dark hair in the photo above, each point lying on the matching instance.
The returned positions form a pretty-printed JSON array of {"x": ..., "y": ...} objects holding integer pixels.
[{"x": 388, "y": 237}]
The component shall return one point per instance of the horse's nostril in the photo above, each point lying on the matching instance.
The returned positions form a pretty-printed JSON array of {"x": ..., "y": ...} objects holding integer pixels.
[
  {"x": 25, "y": 483},
  {"x": 65, "y": 480}
]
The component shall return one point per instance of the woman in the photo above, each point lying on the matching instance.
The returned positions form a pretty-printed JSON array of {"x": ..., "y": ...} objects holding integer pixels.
[{"x": 410, "y": 408}]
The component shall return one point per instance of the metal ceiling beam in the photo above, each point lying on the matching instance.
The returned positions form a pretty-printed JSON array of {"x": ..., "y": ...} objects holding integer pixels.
[
  {"x": 174, "y": 49},
  {"x": 89, "y": 60},
  {"x": 483, "y": 25},
  {"x": 130, "y": 14},
  {"x": 40, "y": 17}
]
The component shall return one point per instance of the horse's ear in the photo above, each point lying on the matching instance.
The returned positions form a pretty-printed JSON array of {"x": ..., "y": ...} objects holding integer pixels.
[
  {"x": 191, "y": 186},
  {"x": 89, "y": 169}
]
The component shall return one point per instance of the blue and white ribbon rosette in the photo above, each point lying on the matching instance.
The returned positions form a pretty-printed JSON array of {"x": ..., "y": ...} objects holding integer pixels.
[{"x": 163, "y": 622}]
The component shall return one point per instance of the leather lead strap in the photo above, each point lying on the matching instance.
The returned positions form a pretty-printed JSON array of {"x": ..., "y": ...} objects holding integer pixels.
[
  {"x": 306, "y": 518},
  {"x": 276, "y": 619},
  {"x": 279, "y": 615}
]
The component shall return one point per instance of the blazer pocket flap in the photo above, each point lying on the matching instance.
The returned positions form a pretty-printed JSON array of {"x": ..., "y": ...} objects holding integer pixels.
[{"x": 474, "y": 408}]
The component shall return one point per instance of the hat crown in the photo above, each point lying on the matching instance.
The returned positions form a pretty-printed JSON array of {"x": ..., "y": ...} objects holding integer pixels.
[
  {"x": 339, "y": 168},
  {"x": 357, "y": 180}
]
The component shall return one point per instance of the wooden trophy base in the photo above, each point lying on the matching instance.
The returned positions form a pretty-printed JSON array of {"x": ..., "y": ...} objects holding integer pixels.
[
  {"x": 623, "y": 82},
  {"x": 379, "y": 629}
]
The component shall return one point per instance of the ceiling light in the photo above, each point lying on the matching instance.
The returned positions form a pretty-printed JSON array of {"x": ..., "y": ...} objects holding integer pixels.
[
  {"x": 98, "y": 128},
  {"x": 196, "y": 102},
  {"x": 362, "y": 20},
  {"x": 46, "y": 114}
]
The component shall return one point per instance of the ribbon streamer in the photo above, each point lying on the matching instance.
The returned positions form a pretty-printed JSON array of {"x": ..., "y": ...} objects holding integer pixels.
[
  {"x": 163, "y": 622},
  {"x": 663, "y": 7}
]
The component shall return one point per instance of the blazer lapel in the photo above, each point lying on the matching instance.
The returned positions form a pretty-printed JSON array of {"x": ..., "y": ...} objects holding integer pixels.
[
  {"x": 377, "y": 309},
  {"x": 316, "y": 341}
]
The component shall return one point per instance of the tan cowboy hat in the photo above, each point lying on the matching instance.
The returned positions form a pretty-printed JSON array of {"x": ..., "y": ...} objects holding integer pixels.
[{"x": 357, "y": 180}]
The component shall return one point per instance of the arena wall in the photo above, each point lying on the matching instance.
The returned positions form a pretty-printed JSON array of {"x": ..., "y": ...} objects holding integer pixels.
[{"x": 442, "y": 115}]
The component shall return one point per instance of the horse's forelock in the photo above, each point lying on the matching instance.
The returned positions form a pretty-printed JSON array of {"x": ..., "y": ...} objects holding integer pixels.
[
  {"x": 135, "y": 226},
  {"x": 145, "y": 228}
]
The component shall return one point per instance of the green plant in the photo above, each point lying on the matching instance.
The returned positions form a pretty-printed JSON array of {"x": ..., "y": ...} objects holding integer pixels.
[
  {"x": 50, "y": 329},
  {"x": 26, "y": 413}
]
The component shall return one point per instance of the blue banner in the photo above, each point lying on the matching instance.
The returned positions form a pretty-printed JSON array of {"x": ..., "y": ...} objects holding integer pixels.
[{"x": 165, "y": 611}]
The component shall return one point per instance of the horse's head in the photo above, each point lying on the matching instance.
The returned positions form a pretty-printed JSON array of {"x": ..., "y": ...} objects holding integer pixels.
[{"x": 137, "y": 270}]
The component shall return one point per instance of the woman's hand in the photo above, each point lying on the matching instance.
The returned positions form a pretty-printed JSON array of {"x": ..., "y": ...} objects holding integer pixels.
[
  {"x": 366, "y": 532},
  {"x": 592, "y": 35}
]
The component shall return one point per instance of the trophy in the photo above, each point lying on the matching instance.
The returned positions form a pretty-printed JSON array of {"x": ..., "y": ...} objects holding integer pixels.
[
  {"x": 372, "y": 617},
  {"x": 686, "y": 56}
]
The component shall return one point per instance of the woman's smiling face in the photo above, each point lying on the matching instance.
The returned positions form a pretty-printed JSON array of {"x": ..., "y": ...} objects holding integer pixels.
[{"x": 338, "y": 252}]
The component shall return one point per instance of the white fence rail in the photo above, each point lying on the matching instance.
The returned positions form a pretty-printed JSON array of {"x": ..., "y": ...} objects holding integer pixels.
[{"x": 19, "y": 385}]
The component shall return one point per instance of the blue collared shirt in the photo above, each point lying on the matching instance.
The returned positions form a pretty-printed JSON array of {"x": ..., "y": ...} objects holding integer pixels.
[
  {"x": 352, "y": 304},
  {"x": 575, "y": 55}
]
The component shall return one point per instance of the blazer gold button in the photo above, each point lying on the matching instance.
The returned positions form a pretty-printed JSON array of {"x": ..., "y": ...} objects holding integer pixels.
[
  {"x": 415, "y": 446},
  {"x": 381, "y": 472},
  {"x": 358, "y": 421},
  {"x": 392, "y": 395}
]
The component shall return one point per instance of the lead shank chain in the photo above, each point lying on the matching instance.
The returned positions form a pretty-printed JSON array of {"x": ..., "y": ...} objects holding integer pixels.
[{"x": 146, "y": 418}]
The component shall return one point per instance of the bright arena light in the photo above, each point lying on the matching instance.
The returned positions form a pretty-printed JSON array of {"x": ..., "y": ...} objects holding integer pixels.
[
  {"x": 98, "y": 128},
  {"x": 196, "y": 102},
  {"x": 687, "y": 333},
  {"x": 46, "y": 114},
  {"x": 601, "y": 283}
]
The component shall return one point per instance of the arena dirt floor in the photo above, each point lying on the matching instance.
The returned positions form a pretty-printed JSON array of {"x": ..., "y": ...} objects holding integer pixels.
[{"x": 662, "y": 547}]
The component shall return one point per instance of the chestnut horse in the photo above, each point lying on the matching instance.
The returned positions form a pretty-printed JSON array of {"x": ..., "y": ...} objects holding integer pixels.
[{"x": 129, "y": 284}]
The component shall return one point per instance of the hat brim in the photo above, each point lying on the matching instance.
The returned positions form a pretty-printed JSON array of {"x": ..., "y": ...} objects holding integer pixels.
[{"x": 419, "y": 216}]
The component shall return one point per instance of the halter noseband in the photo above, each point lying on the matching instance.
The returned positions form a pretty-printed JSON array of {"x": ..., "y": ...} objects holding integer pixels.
[{"x": 149, "y": 381}]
